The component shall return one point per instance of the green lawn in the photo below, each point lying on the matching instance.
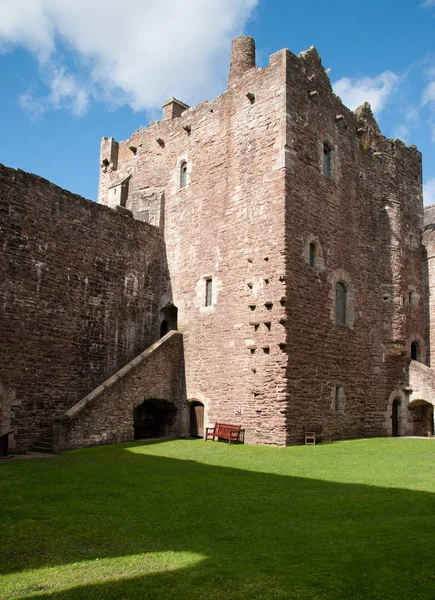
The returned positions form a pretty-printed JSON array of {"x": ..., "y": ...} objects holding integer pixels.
[{"x": 187, "y": 519}]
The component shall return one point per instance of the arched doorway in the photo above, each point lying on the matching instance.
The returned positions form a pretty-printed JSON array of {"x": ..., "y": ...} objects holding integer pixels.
[
  {"x": 168, "y": 319},
  {"x": 197, "y": 419},
  {"x": 420, "y": 417},
  {"x": 154, "y": 419},
  {"x": 395, "y": 417}
]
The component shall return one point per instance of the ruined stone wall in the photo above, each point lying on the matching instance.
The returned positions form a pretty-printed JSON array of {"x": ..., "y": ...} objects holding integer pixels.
[
  {"x": 365, "y": 220},
  {"x": 80, "y": 291},
  {"x": 228, "y": 224}
]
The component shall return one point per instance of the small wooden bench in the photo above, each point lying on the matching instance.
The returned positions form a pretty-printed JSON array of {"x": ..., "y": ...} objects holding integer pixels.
[
  {"x": 225, "y": 431},
  {"x": 314, "y": 434}
]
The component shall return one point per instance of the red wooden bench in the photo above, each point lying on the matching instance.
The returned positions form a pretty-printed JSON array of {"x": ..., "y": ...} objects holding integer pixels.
[{"x": 224, "y": 431}]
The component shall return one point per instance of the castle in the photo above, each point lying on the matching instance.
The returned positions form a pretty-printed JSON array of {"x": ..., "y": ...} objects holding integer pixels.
[{"x": 260, "y": 259}]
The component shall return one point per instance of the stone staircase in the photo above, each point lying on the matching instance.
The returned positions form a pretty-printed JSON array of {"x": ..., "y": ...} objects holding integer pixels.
[
  {"x": 106, "y": 414},
  {"x": 43, "y": 445}
]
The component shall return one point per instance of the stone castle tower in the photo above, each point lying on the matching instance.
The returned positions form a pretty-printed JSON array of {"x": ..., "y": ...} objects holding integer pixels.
[
  {"x": 258, "y": 259},
  {"x": 293, "y": 239}
]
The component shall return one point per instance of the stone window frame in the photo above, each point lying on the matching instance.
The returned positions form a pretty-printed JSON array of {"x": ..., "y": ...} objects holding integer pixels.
[
  {"x": 208, "y": 291},
  {"x": 341, "y": 276},
  {"x": 412, "y": 240},
  {"x": 330, "y": 171},
  {"x": 199, "y": 301},
  {"x": 412, "y": 298},
  {"x": 319, "y": 263},
  {"x": 338, "y": 392},
  {"x": 415, "y": 337},
  {"x": 183, "y": 162}
]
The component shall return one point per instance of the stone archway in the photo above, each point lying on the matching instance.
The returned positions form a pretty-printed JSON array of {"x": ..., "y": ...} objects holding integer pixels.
[
  {"x": 168, "y": 319},
  {"x": 154, "y": 419},
  {"x": 421, "y": 418},
  {"x": 396, "y": 416}
]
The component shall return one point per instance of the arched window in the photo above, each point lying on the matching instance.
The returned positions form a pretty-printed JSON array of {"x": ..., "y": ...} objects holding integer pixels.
[
  {"x": 183, "y": 174},
  {"x": 340, "y": 303},
  {"x": 327, "y": 160},
  {"x": 313, "y": 253}
]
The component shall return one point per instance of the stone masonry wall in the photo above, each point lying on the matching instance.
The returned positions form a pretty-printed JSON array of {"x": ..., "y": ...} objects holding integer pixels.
[
  {"x": 80, "y": 293},
  {"x": 106, "y": 415},
  {"x": 267, "y": 353},
  {"x": 365, "y": 219},
  {"x": 228, "y": 224}
]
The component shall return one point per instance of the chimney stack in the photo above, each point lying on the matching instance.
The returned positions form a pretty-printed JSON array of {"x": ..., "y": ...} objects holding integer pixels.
[{"x": 242, "y": 57}]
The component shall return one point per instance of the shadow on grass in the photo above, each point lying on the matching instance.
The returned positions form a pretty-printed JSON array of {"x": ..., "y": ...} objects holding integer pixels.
[{"x": 198, "y": 531}]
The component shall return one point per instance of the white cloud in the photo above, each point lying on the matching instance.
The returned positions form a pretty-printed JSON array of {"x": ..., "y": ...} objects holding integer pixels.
[
  {"x": 33, "y": 105},
  {"x": 428, "y": 99},
  {"x": 138, "y": 52},
  {"x": 66, "y": 92},
  {"x": 428, "y": 96},
  {"x": 375, "y": 90},
  {"x": 429, "y": 191},
  {"x": 428, "y": 3},
  {"x": 402, "y": 133}
]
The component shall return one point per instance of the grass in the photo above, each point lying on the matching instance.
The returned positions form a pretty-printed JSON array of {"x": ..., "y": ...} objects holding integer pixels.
[{"x": 187, "y": 519}]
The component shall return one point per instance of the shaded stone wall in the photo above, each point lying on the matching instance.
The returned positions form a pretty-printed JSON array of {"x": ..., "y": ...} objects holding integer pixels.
[
  {"x": 106, "y": 415},
  {"x": 80, "y": 292},
  {"x": 366, "y": 218},
  {"x": 429, "y": 245}
]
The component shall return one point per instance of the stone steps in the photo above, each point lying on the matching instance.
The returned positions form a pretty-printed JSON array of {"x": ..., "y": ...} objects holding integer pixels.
[{"x": 43, "y": 446}]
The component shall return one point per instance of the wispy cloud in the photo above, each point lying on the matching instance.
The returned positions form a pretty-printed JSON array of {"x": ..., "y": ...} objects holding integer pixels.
[
  {"x": 428, "y": 99},
  {"x": 139, "y": 56},
  {"x": 32, "y": 105},
  {"x": 428, "y": 96},
  {"x": 375, "y": 90},
  {"x": 402, "y": 132},
  {"x": 429, "y": 191},
  {"x": 428, "y": 3},
  {"x": 64, "y": 92}
]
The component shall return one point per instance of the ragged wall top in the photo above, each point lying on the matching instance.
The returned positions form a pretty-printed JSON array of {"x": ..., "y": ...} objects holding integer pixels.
[{"x": 80, "y": 292}]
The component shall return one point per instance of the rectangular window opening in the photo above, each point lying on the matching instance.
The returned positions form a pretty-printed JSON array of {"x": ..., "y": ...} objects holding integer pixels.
[
  {"x": 327, "y": 160},
  {"x": 208, "y": 291}
]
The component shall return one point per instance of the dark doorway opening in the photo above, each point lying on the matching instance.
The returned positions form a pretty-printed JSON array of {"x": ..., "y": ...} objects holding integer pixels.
[
  {"x": 168, "y": 319},
  {"x": 415, "y": 351},
  {"x": 154, "y": 419},
  {"x": 395, "y": 418},
  {"x": 421, "y": 418},
  {"x": 197, "y": 419},
  {"x": 4, "y": 445},
  {"x": 164, "y": 328}
]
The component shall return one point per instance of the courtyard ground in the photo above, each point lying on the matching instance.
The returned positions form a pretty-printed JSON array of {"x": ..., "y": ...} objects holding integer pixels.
[{"x": 186, "y": 519}]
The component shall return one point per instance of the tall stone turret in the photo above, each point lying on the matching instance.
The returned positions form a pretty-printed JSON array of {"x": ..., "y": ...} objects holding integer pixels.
[{"x": 242, "y": 57}]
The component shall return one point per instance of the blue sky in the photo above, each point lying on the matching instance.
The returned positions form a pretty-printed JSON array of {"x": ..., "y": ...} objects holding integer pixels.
[{"x": 73, "y": 71}]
